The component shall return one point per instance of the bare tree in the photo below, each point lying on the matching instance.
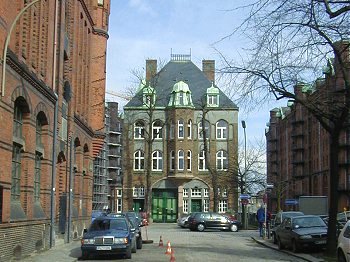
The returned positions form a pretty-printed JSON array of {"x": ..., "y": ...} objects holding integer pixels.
[{"x": 291, "y": 40}]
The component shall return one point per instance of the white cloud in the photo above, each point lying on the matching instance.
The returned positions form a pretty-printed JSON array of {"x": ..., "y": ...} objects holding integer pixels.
[{"x": 142, "y": 6}]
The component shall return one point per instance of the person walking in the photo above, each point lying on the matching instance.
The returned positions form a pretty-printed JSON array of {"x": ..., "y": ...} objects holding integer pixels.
[{"x": 260, "y": 216}]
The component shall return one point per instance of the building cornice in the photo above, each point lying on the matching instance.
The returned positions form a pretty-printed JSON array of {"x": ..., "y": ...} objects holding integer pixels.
[{"x": 83, "y": 126}]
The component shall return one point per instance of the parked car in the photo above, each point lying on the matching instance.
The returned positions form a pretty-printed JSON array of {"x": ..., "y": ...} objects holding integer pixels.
[
  {"x": 210, "y": 220},
  {"x": 183, "y": 221},
  {"x": 109, "y": 235},
  {"x": 302, "y": 231},
  {"x": 136, "y": 221},
  {"x": 95, "y": 214},
  {"x": 343, "y": 217},
  {"x": 343, "y": 248},
  {"x": 279, "y": 217}
]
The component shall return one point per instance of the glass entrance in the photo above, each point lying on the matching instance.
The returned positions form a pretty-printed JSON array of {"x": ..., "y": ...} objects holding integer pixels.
[{"x": 164, "y": 206}]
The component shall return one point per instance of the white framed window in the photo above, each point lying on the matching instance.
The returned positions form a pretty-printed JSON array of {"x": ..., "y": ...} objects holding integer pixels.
[
  {"x": 196, "y": 192},
  {"x": 224, "y": 192},
  {"x": 185, "y": 192},
  {"x": 189, "y": 129},
  {"x": 180, "y": 128},
  {"x": 219, "y": 191},
  {"x": 221, "y": 160},
  {"x": 221, "y": 129},
  {"x": 201, "y": 161},
  {"x": 205, "y": 192},
  {"x": 222, "y": 206},
  {"x": 100, "y": 2},
  {"x": 139, "y": 130},
  {"x": 206, "y": 205},
  {"x": 200, "y": 130},
  {"x": 157, "y": 161},
  {"x": 172, "y": 160},
  {"x": 185, "y": 206},
  {"x": 142, "y": 191},
  {"x": 189, "y": 160},
  {"x": 135, "y": 191},
  {"x": 119, "y": 193},
  {"x": 139, "y": 160},
  {"x": 213, "y": 100},
  {"x": 119, "y": 205},
  {"x": 172, "y": 130},
  {"x": 181, "y": 160},
  {"x": 157, "y": 129}
]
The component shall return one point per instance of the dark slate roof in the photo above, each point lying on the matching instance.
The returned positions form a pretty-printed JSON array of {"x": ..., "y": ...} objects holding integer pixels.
[{"x": 188, "y": 72}]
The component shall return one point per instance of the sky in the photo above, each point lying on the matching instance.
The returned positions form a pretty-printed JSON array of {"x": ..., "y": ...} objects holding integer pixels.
[{"x": 153, "y": 29}]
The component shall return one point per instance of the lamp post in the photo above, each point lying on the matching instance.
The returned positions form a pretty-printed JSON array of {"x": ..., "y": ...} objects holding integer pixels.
[{"x": 244, "y": 215}]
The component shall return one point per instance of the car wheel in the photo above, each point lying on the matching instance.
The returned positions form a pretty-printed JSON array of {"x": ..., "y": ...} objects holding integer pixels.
[
  {"x": 233, "y": 228},
  {"x": 341, "y": 257},
  {"x": 128, "y": 253},
  {"x": 274, "y": 238},
  {"x": 139, "y": 243},
  {"x": 200, "y": 227},
  {"x": 279, "y": 243},
  {"x": 84, "y": 255},
  {"x": 133, "y": 246}
]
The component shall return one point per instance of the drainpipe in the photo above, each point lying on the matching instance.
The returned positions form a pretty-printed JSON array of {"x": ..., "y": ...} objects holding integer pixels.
[{"x": 55, "y": 136}]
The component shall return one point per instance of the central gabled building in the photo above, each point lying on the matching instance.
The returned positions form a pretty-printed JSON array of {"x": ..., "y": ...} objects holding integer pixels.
[{"x": 180, "y": 143}]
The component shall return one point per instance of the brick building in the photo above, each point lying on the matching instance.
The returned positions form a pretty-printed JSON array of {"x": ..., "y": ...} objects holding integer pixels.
[
  {"x": 298, "y": 151},
  {"x": 178, "y": 115},
  {"x": 52, "y": 119}
]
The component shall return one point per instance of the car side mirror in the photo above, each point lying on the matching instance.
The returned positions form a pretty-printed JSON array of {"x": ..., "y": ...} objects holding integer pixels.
[{"x": 132, "y": 229}]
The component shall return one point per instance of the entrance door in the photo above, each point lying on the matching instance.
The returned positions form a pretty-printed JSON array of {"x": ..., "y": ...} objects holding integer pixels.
[
  {"x": 164, "y": 206},
  {"x": 196, "y": 205},
  {"x": 138, "y": 205}
]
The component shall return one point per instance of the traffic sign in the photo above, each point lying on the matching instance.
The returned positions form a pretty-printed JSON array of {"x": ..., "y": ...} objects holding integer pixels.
[
  {"x": 291, "y": 202},
  {"x": 244, "y": 196}
]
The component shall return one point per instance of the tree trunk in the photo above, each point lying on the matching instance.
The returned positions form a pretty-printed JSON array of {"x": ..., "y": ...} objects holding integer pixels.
[{"x": 333, "y": 193}]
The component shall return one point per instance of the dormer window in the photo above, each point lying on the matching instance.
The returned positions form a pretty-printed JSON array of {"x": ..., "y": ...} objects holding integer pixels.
[
  {"x": 213, "y": 96},
  {"x": 180, "y": 95},
  {"x": 149, "y": 96}
]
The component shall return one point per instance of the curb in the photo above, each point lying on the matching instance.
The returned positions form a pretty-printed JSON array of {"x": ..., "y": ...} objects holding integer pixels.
[{"x": 311, "y": 259}]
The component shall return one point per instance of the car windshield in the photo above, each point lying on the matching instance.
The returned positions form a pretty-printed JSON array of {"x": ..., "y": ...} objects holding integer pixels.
[
  {"x": 308, "y": 222},
  {"x": 108, "y": 224}
]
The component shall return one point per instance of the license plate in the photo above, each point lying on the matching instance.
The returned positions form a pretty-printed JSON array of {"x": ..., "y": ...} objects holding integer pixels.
[
  {"x": 104, "y": 248},
  {"x": 321, "y": 242}
]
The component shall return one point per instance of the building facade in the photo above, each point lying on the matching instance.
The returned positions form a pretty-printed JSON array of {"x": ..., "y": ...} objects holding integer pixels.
[
  {"x": 180, "y": 142},
  {"x": 52, "y": 119},
  {"x": 298, "y": 152}
]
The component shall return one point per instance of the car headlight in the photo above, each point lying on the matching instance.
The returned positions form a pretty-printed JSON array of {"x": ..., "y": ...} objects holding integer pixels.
[
  {"x": 123, "y": 240},
  {"x": 306, "y": 237},
  {"x": 88, "y": 241}
]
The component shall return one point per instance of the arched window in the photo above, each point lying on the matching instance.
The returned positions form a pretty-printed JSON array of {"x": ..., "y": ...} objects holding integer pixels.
[
  {"x": 206, "y": 130},
  {"x": 181, "y": 160},
  {"x": 221, "y": 160},
  {"x": 189, "y": 129},
  {"x": 139, "y": 160},
  {"x": 157, "y": 161},
  {"x": 180, "y": 128},
  {"x": 221, "y": 129},
  {"x": 38, "y": 158},
  {"x": 139, "y": 130},
  {"x": 201, "y": 161},
  {"x": 172, "y": 130},
  {"x": 189, "y": 160},
  {"x": 157, "y": 129}
]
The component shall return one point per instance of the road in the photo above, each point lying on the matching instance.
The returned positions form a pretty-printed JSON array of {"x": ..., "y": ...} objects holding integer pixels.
[{"x": 203, "y": 246}]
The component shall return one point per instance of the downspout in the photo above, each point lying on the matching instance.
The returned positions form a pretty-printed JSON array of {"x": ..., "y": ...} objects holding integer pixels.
[{"x": 54, "y": 153}]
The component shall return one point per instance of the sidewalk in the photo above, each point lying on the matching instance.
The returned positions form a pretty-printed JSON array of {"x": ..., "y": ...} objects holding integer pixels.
[
  {"x": 62, "y": 252},
  {"x": 268, "y": 243}
]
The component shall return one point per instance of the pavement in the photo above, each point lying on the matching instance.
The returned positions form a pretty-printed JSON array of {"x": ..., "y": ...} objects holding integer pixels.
[
  {"x": 70, "y": 252},
  {"x": 307, "y": 257}
]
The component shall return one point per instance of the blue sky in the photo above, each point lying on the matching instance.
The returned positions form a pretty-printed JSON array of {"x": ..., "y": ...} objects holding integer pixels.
[{"x": 150, "y": 29}]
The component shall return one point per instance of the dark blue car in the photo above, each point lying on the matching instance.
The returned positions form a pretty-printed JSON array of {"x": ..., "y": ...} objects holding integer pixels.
[{"x": 108, "y": 235}]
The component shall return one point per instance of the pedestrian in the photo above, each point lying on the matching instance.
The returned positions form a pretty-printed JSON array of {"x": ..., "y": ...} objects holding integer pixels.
[{"x": 260, "y": 216}]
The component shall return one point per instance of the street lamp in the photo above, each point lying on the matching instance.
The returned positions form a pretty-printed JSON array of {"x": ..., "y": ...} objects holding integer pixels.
[{"x": 244, "y": 215}]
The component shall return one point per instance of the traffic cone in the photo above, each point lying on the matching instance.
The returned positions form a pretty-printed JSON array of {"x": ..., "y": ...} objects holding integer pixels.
[
  {"x": 168, "y": 249},
  {"x": 160, "y": 242},
  {"x": 172, "y": 258}
]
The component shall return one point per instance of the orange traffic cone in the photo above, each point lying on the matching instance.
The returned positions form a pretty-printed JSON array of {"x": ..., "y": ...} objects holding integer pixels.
[
  {"x": 160, "y": 242},
  {"x": 168, "y": 249},
  {"x": 172, "y": 258}
]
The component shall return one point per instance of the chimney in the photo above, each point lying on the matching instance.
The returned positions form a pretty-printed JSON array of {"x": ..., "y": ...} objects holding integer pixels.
[
  {"x": 151, "y": 69},
  {"x": 208, "y": 68}
]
